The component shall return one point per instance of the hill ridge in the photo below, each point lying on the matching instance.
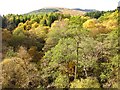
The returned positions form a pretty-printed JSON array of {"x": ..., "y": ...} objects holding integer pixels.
[{"x": 74, "y": 11}]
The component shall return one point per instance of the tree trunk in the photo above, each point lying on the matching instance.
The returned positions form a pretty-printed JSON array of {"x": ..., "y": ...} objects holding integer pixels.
[{"x": 76, "y": 66}]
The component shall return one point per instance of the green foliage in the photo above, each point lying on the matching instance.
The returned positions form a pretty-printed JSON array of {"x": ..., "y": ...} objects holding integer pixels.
[
  {"x": 61, "y": 81},
  {"x": 44, "y": 11},
  {"x": 18, "y": 37},
  {"x": 55, "y": 33},
  {"x": 53, "y": 50},
  {"x": 95, "y": 14},
  {"x": 89, "y": 82},
  {"x": 10, "y": 53},
  {"x": 43, "y": 22}
]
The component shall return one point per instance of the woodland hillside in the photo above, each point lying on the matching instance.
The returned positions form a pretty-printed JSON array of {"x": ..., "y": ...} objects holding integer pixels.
[{"x": 59, "y": 50}]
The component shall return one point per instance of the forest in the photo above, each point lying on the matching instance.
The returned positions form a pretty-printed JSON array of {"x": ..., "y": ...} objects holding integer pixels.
[{"x": 54, "y": 50}]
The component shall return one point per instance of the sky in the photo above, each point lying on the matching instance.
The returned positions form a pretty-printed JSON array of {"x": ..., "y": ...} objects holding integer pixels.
[{"x": 25, "y": 6}]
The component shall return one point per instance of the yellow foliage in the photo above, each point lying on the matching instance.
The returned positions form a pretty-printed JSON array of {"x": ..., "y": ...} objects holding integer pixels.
[
  {"x": 35, "y": 25},
  {"x": 20, "y": 24},
  {"x": 22, "y": 53},
  {"x": 71, "y": 67},
  {"x": 114, "y": 15},
  {"x": 75, "y": 84},
  {"x": 6, "y": 35},
  {"x": 104, "y": 24},
  {"x": 85, "y": 17},
  {"x": 112, "y": 24},
  {"x": 100, "y": 27},
  {"x": 90, "y": 23},
  {"x": 5, "y": 61},
  {"x": 18, "y": 30},
  {"x": 40, "y": 31},
  {"x": 32, "y": 51},
  {"x": 89, "y": 82},
  {"x": 54, "y": 24},
  {"x": 17, "y": 73},
  {"x": 60, "y": 24}
]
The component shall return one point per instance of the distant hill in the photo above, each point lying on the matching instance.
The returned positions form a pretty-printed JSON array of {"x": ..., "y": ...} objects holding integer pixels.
[
  {"x": 85, "y": 10},
  {"x": 44, "y": 10},
  {"x": 59, "y": 10},
  {"x": 75, "y": 11},
  {"x": 70, "y": 11}
]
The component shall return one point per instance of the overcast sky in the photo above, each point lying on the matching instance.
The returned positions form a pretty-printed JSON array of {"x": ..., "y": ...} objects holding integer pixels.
[{"x": 25, "y": 6}]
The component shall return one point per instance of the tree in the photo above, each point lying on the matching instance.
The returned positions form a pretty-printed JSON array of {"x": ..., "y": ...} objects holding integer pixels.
[
  {"x": 55, "y": 33},
  {"x": 90, "y": 23},
  {"x": 18, "y": 36},
  {"x": 35, "y": 25},
  {"x": 89, "y": 82},
  {"x": 6, "y": 35},
  {"x": 95, "y": 14},
  {"x": 95, "y": 27},
  {"x": 18, "y": 72},
  {"x": 62, "y": 81}
]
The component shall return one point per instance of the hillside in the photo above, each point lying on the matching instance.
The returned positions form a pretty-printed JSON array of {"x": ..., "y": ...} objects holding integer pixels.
[
  {"x": 85, "y": 10},
  {"x": 44, "y": 10},
  {"x": 71, "y": 11},
  {"x": 59, "y": 10},
  {"x": 54, "y": 50}
]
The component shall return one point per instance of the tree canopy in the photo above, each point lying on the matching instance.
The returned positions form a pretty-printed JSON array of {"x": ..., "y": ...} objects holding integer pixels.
[{"x": 54, "y": 50}]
